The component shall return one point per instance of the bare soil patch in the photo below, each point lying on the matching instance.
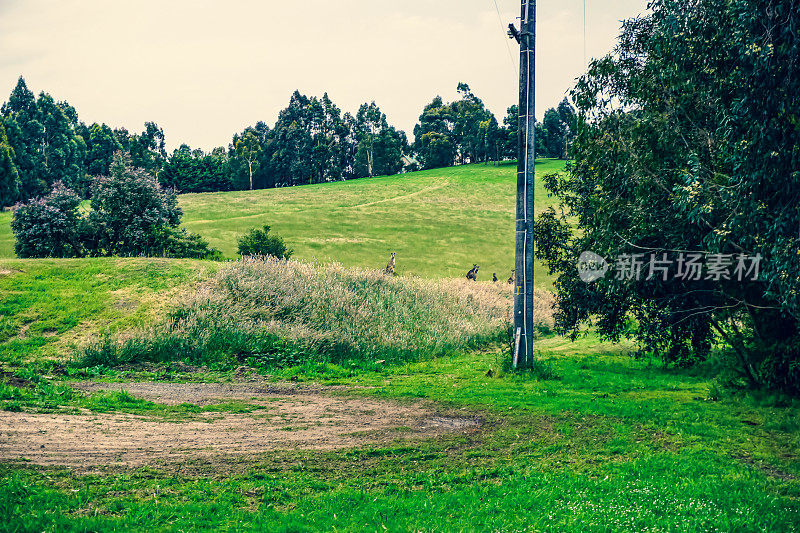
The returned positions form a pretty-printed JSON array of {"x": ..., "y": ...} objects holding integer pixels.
[
  {"x": 291, "y": 417},
  {"x": 14, "y": 381}
]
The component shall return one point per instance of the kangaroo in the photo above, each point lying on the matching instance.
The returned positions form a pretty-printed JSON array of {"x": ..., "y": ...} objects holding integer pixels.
[
  {"x": 511, "y": 279},
  {"x": 473, "y": 273},
  {"x": 390, "y": 266},
  {"x": 494, "y": 277}
]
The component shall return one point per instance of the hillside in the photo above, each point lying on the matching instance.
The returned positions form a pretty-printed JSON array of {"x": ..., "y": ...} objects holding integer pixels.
[
  {"x": 293, "y": 397},
  {"x": 439, "y": 222}
]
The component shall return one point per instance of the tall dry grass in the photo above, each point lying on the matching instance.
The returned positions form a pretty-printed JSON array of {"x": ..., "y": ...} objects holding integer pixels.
[{"x": 279, "y": 313}]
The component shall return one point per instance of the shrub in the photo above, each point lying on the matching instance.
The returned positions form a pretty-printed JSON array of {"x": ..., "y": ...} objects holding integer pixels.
[
  {"x": 258, "y": 242},
  {"x": 166, "y": 241},
  {"x": 50, "y": 226},
  {"x": 131, "y": 215},
  {"x": 129, "y": 208}
]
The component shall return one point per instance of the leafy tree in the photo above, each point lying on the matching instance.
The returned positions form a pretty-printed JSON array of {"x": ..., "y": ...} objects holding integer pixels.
[
  {"x": 50, "y": 226},
  {"x": 509, "y": 141},
  {"x": 462, "y": 131},
  {"x": 555, "y": 134},
  {"x": 369, "y": 122},
  {"x": 687, "y": 140},
  {"x": 437, "y": 150},
  {"x": 489, "y": 138},
  {"x": 291, "y": 142},
  {"x": 195, "y": 171},
  {"x": 312, "y": 142},
  {"x": 433, "y": 135},
  {"x": 569, "y": 117},
  {"x": 508, "y": 135},
  {"x": 63, "y": 151},
  {"x": 148, "y": 149},
  {"x": 123, "y": 138},
  {"x": 169, "y": 241},
  {"x": 260, "y": 242},
  {"x": 131, "y": 215},
  {"x": 329, "y": 133},
  {"x": 129, "y": 209},
  {"x": 23, "y": 129},
  {"x": 248, "y": 150},
  {"x": 9, "y": 176},
  {"x": 42, "y": 134},
  {"x": 379, "y": 146},
  {"x": 468, "y": 114},
  {"x": 101, "y": 143}
]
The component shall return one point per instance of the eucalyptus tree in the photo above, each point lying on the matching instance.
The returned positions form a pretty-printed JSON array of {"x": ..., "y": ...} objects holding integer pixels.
[
  {"x": 687, "y": 143},
  {"x": 248, "y": 150},
  {"x": 101, "y": 145},
  {"x": 379, "y": 146},
  {"x": 468, "y": 113},
  {"x": 9, "y": 175},
  {"x": 45, "y": 145},
  {"x": 188, "y": 170},
  {"x": 148, "y": 149},
  {"x": 434, "y": 135}
]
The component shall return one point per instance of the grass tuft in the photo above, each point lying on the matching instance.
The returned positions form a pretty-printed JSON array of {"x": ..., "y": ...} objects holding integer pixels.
[{"x": 275, "y": 313}]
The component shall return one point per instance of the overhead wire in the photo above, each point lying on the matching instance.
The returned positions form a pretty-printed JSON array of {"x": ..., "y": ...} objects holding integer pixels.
[{"x": 503, "y": 29}]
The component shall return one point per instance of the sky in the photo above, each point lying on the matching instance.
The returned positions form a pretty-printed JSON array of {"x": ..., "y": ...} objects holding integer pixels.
[{"x": 205, "y": 69}]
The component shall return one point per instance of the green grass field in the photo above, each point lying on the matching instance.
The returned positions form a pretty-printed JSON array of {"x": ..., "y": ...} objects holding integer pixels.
[
  {"x": 49, "y": 306},
  {"x": 615, "y": 444},
  {"x": 607, "y": 442},
  {"x": 439, "y": 222}
]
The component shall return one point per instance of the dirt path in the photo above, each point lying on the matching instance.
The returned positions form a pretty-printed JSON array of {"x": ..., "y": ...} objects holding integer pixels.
[{"x": 288, "y": 417}]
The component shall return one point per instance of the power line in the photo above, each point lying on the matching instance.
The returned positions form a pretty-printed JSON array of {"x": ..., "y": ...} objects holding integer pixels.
[{"x": 503, "y": 29}]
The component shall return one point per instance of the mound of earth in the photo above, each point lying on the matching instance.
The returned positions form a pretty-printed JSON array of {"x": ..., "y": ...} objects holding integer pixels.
[{"x": 284, "y": 417}]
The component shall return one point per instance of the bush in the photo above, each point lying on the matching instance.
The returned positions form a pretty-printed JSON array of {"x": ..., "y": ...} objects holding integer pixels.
[
  {"x": 129, "y": 208},
  {"x": 167, "y": 241},
  {"x": 50, "y": 226},
  {"x": 131, "y": 215},
  {"x": 258, "y": 242}
]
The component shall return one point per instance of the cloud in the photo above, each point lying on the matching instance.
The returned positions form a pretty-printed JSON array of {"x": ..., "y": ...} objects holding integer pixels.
[{"x": 204, "y": 69}]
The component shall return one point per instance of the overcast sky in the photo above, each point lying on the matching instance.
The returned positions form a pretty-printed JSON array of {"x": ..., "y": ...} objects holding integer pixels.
[{"x": 205, "y": 69}]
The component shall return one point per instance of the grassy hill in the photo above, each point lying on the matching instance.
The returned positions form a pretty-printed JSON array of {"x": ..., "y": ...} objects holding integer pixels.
[
  {"x": 439, "y": 222},
  {"x": 591, "y": 440}
]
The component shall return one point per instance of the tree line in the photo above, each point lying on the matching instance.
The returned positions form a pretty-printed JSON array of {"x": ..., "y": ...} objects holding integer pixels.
[{"x": 43, "y": 142}]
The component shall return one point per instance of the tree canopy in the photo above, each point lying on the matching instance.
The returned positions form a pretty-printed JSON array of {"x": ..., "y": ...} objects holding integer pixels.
[{"x": 687, "y": 142}]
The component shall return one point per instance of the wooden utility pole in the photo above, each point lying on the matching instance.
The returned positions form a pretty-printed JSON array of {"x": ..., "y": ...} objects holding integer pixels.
[{"x": 523, "y": 299}]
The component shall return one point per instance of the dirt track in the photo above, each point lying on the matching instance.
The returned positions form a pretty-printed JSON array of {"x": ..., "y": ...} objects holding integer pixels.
[{"x": 288, "y": 417}]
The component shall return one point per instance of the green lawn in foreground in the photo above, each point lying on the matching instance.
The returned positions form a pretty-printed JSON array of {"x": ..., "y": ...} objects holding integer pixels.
[{"x": 616, "y": 444}]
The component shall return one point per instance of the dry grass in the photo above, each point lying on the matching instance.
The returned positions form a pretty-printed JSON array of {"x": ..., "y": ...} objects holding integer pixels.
[{"x": 284, "y": 312}]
